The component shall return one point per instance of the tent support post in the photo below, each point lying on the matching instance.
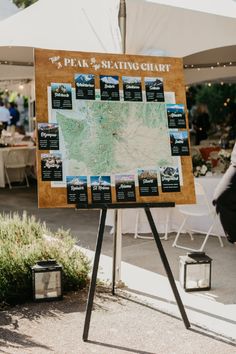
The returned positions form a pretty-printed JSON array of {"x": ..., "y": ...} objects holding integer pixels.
[{"x": 122, "y": 24}]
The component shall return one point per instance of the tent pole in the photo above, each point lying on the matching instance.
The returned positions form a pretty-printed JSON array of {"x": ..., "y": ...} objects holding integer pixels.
[
  {"x": 117, "y": 221},
  {"x": 122, "y": 24}
]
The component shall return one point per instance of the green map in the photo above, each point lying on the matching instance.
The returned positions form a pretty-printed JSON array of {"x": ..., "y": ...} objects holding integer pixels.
[{"x": 99, "y": 138}]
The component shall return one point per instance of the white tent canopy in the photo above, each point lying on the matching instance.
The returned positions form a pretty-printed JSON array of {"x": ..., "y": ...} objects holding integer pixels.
[
  {"x": 82, "y": 25},
  {"x": 177, "y": 28},
  {"x": 7, "y": 8},
  {"x": 182, "y": 28}
]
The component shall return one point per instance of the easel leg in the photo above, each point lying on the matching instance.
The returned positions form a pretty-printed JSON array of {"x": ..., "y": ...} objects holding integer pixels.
[
  {"x": 94, "y": 274},
  {"x": 114, "y": 251},
  {"x": 167, "y": 268}
]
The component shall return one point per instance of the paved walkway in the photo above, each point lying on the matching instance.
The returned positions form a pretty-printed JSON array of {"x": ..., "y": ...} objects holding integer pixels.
[{"x": 118, "y": 325}]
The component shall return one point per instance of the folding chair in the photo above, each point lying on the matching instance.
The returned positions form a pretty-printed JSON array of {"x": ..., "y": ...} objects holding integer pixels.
[
  {"x": 16, "y": 159},
  {"x": 200, "y": 209},
  {"x": 167, "y": 220}
]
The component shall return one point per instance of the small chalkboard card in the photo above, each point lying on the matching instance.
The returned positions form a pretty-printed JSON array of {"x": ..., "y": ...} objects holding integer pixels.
[
  {"x": 51, "y": 167},
  {"x": 176, "y": 116},
  {"x": 109, "y": 88},
  {"x": 48, "y": 136},
  {"x": 61, "y": 94},
  {"x": 148, "y": 185},
  {"x": 84, "y": 87},
  {"x": 132, "y": 88},
  {"x": 125, "y": 188},
  {"x": 101, "y": 189},
  {"x": 179, "y": 143},
  {"x": 154, "y": 89},
  {"x": 170, "y": 179},
  {"x": 77, "y": 191}
]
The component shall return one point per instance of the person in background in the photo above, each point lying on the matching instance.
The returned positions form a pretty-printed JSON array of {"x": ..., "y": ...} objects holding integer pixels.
[
  {"x": 5, "y": 98},
  {"x": 15, "y": 115},
  {"x": 20, "y": 106},
  {"x": 5, "y": 117},
  {"x": 225, "y": 200},
  {"x": 201, "y": 123},
  {"x": 231, "y": 122}
]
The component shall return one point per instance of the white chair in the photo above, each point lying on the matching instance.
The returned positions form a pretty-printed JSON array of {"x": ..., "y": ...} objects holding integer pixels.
[
  {"x": 200, "y": 209},
  {"x": 16, "y": 159},
  {"x": 167, "y": 219},
  {"x": 31, "y": 164}
]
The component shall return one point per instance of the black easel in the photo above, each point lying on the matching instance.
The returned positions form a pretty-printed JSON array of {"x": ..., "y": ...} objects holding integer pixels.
[{"x": 164, "y": 259}]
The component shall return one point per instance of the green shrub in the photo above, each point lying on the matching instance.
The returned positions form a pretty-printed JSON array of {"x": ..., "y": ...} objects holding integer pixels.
[{"x": 22, "y": 244}]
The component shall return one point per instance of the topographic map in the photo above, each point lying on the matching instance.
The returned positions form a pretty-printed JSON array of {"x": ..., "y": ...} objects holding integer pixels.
[{"x": 100, "y": 138}]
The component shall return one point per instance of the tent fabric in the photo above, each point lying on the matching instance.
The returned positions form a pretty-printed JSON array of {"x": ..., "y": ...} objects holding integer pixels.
[
  {"x": 217, "y": 7},
  {"x": 80, "y": 25},
  {"x": 7, "y": 8},
  {"x": 179, "y": 27},
  {"x": 83, "y": 25}
]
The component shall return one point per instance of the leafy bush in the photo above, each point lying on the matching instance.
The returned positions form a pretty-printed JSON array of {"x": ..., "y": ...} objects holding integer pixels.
[{"x": 22, "y": 244}]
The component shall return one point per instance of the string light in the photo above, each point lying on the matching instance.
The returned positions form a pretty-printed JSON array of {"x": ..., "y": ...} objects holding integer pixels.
[
  {"x": 209, "y": 65},
  {"x": 17, "y": 63}
]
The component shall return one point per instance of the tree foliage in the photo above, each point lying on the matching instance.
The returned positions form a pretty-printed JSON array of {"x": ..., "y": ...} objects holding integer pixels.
[
  {"x": 218, "y": 98},
  {"x": 23, "y": 3}
]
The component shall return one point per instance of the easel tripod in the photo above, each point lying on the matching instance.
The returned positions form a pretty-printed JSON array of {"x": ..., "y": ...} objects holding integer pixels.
[{"x": 104, "y": 208}]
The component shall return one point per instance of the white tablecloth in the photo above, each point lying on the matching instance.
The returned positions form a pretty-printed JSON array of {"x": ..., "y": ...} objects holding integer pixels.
[
  {"x": 29, "y": 155},
  {"x": 129, "y": 216}
]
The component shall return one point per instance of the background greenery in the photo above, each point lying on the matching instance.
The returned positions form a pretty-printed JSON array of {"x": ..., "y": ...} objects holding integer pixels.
[
  {"x": 220, "y": 99},
  {"x": 24, "y": 3}
]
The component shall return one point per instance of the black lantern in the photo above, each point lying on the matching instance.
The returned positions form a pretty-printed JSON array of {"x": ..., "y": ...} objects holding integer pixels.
[
  {"x": 195, "y": 271},
  {"x": 47, "y": 280}
]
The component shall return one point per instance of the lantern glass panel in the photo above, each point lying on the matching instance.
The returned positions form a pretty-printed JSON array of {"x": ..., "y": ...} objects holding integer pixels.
[
  {"x": 198, "y": 275},
  {"x": 47, "y": 284}
]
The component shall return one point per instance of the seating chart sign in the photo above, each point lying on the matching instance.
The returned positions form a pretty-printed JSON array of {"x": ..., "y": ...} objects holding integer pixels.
[{"x": 111, "y": 129}]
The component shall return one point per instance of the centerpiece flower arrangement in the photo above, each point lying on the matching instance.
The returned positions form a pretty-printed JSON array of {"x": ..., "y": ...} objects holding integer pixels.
[
  {"x": 225, "y": 156},
  {"x": 200, "y": 166}
]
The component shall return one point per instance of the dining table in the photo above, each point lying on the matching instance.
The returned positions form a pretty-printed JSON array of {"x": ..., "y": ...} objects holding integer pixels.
[{"x": 29, "y": 153}]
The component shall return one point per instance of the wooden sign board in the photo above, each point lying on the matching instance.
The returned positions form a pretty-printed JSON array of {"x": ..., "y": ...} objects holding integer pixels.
[{"x": 111, "y": 129}]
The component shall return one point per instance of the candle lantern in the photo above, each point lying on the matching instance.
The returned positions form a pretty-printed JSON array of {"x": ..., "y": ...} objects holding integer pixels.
[
  {"x": 47, "y": 280},
  {"x": 195, "y": 271}
]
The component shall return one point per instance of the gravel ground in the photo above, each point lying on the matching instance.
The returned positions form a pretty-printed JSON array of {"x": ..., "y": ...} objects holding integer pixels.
[{"x": 118, "y": 325}]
